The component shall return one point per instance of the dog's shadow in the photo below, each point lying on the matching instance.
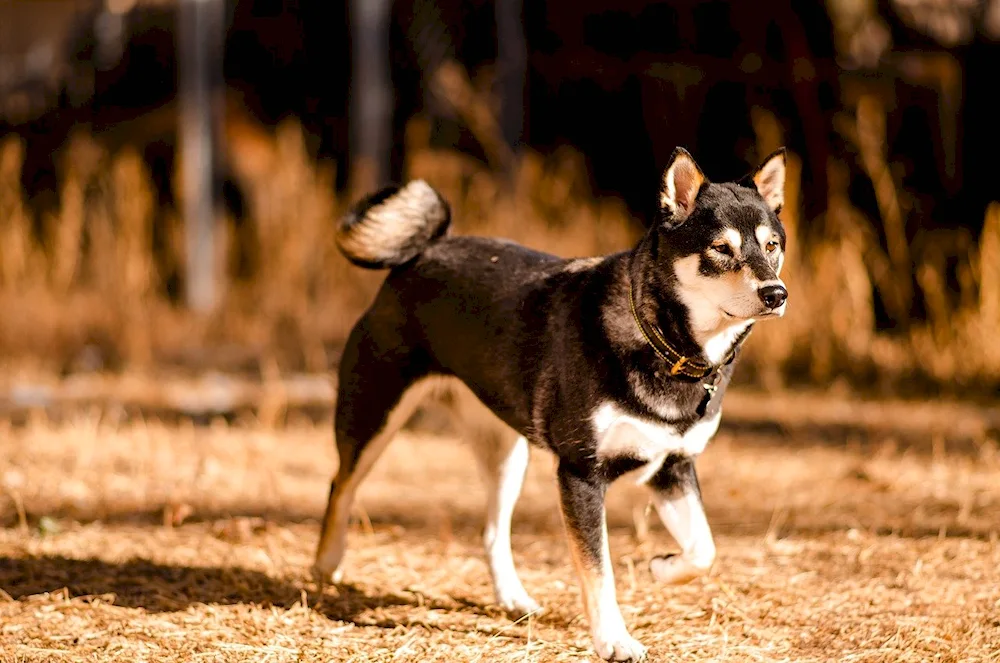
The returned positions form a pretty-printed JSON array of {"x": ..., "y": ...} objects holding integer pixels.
[{"x": 158, "y": 588}]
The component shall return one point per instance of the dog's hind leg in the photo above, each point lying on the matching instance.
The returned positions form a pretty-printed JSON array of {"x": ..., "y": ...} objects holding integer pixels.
[
  {"x": 503, "y": 458},
  {"x": 677, "y": 498},
  {"x": 375, "y": 399}
]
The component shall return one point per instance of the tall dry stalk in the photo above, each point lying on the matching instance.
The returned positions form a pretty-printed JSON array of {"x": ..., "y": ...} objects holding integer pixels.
[
  {"x": 871, "y": 140},
  {"x": 838, "y": 321},
  {"x": 18, "y": 251},
  {"x": 84, "y": 163},
  {"x": 987, "y": 312},
  {"x": 989, "y": 269},
  {"x": 65, "y": 231},
  {"x": 451, "y": 83},
  {"x": 132, "y": 206},
  {"x": 294, "y": 212}
]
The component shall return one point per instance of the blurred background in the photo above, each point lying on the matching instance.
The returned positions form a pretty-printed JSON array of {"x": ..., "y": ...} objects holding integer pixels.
[{"x": 171, "y": 171}]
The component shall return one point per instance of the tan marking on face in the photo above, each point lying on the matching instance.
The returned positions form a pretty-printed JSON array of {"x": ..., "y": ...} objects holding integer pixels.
[
  {"x": 763, "y": 234},
  {"x": 707, "y": 291},
  {"x": 732, "y": 237},
  {"x": 708, "y": 297}
]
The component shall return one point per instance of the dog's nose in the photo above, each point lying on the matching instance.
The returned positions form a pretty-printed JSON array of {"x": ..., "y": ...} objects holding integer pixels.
[{"x": 773, "y": 296}]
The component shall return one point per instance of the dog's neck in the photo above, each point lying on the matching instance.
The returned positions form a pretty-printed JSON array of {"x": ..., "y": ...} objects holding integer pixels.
[{"x": 705, "y": 335}]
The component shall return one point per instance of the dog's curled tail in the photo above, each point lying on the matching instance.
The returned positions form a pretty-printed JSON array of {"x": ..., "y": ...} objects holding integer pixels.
[{"x": 393, "y": 226}]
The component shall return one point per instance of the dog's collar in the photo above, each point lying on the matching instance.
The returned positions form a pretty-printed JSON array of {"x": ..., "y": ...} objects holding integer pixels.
[{"x": 680, "y": 365}]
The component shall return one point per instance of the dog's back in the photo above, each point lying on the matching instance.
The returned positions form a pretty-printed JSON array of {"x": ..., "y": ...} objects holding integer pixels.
[
  {"x": 404, "y": 229},
  {"x": 451, "y": 305}
]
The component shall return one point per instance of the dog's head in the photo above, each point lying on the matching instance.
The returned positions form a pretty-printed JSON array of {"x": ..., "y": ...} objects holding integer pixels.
[{"x": 723, "y": 242}]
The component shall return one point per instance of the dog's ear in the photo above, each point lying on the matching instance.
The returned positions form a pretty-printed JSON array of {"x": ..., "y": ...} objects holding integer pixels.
[
  {"x": 769, "y": 180},
  {"x": 682, "y": 180}
]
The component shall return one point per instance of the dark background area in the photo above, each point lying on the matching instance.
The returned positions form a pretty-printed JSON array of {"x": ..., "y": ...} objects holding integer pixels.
[
  {"x": 622, "y": 82},
  {"x": 888, "y": 106}
]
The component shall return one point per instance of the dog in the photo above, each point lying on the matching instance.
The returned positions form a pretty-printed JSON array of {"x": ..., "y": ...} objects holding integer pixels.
[{"x": 614, "y": 364}]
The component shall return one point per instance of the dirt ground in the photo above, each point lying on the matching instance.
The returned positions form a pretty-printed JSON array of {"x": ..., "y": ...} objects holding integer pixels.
[{"x": 142, "y": 540}]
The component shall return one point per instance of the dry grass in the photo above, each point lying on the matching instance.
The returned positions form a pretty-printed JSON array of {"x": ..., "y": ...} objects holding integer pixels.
[
  {"x": 90, "y": 290},
  {"x": 152, "y": 542}
]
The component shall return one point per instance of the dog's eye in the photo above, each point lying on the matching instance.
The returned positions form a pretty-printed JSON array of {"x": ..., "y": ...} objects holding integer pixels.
[
  {"x": 723, "y": 248},
  {"x": 771, "y": 246}
]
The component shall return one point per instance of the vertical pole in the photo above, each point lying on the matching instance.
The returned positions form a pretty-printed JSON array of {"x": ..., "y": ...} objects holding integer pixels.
[
  {"x": 200, "y": 38},
  {"x": 371, "y": 94}
]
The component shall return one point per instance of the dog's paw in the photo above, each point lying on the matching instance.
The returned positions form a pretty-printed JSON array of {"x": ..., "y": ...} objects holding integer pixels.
[
  {"x": 621, "y": 647},
  {"x": 518, "y": 605},
  {"x": 323, "y": 576},
  {"x": 676, "y": 570}
]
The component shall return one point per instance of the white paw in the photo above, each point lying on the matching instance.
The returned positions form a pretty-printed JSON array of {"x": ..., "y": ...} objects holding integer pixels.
[
  {"x": 620, "y": 647},
  {"x": 676, "y": 570},
  {"x": 518, "y": 604}
]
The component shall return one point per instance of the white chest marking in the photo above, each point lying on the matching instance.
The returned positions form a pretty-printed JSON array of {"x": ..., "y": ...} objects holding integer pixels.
[
  {"x": 717, "y": 347},
  {"x": 621, "y": 434}
]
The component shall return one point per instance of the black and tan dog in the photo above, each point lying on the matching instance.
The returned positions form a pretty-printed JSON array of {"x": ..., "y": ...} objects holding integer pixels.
[{"x": 614, "y": 364}]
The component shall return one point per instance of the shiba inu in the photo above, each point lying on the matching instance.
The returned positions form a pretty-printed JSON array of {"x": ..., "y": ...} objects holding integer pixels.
[{"x": 614, "y": 364}]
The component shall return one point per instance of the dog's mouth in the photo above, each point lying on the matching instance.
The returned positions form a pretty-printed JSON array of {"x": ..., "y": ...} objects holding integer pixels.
[
  {"x": 770, "y": 313},
  {"x": 729, "y": 316},
  {"x": 759, "y": 315}
]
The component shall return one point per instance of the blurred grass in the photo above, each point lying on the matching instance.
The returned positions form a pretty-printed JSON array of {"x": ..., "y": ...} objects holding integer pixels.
[{"x": 84, "y": 289}]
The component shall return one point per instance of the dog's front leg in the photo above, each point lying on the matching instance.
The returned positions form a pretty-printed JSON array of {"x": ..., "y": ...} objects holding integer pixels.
[
  {"x": 583, "y": 513},
  {"x": 677, "y": 498}
]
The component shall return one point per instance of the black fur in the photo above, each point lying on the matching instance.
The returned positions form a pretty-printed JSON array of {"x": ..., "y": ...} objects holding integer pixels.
[
  {"x": 582, "y": 498},
  {"x": 676, "y": 475}
]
